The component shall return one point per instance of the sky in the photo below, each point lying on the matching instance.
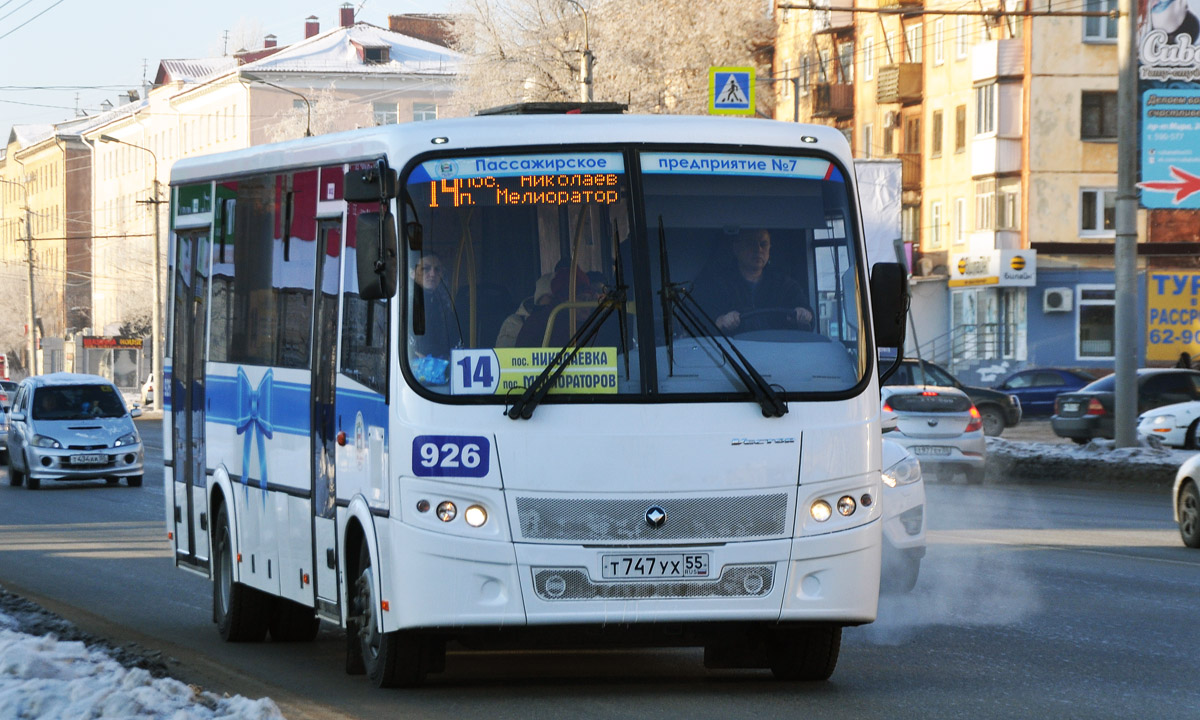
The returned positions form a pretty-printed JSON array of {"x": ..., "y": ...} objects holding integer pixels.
[{"x": 56, "y": 55}]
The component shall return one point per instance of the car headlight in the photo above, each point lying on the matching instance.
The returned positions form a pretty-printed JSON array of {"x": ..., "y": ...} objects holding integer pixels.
[
  {"x": 905, "y": 472},
  {"x": 46, "y": 442},
  {"x": 130, "y": 439},
  {"x": 1157, "y": 423}
]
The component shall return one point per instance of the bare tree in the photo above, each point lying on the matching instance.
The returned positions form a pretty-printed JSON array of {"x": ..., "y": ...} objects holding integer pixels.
[
  {"x": 325, "y": 113},
  {"x": 653, "y": 55}
]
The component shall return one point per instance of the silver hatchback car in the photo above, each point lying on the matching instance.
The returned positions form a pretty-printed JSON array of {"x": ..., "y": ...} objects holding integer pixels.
[
  {"x": 66, "y": 426},
  {"x": 941, "y": 426}
]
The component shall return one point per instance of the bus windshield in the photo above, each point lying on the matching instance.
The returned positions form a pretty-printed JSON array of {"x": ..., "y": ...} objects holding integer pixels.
[{"x": 678, "y": 274}]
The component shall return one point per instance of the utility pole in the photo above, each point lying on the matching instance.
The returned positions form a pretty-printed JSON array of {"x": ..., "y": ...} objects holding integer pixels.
[
  {"x": 156, "y": 351},
  {"x": 585, "y": 63},
  {"x": 1125, "y": 322},
  {"x": 31, "y": 343}
]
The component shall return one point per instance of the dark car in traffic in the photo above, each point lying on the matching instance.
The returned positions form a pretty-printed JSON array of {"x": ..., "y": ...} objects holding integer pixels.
[
  {"x": 1038, "y": 387},
  {"x": 1088, "y": 412},
  {"x": 999, "y": 410}
]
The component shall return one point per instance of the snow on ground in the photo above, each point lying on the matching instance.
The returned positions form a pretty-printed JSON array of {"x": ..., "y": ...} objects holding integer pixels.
[
  {"x": 48, "y": 676},
  {"x": 1097, "y": 461}
]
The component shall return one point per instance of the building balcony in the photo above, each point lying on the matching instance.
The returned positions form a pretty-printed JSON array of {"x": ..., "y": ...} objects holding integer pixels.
[
  {"x": 993, "y": 155},
  {"x": 902, "y": 4},
  {"x": 900, "y": 83},
  {"x": 997, "y": 59},
  {"x": 833, "y": 100},
  {"x": 910, "y": 171}
]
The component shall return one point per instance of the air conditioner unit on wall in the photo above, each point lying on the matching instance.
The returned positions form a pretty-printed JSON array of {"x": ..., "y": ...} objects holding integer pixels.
[{"x": 1057, "y": 300}]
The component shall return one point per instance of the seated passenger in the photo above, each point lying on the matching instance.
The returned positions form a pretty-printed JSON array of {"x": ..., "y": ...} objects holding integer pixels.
[
  {"x": 533, "y": 330},
  {"x": 734, "y": 293},
  {"x": 441, "y": 322},
  {"x": 542, "y": 294}
]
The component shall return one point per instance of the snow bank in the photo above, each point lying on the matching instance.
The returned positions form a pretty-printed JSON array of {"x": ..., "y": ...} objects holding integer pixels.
[
  {"x": 1098, "y": 461},
  {"x": 44, "y": 677}
]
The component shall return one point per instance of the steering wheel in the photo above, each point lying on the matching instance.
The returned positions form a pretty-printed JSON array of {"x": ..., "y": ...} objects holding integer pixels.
[{"x": 786, "y": 316}]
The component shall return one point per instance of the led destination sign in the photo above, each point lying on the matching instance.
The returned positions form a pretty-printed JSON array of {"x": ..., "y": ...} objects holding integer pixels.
[{"x": 525, "y": 190}]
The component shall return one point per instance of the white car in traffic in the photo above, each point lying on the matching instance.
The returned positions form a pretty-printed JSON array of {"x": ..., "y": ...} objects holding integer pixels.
[
  {"x": 1177, "y": 425},
  {"x": 1185, "y": 499}
]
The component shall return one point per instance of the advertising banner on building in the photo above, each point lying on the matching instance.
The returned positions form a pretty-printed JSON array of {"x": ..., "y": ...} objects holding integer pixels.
[
  {"x": 1169, "y": 92},
  {"x": 1002, "y": 268},
  {"x": 1172, "y": 314}
]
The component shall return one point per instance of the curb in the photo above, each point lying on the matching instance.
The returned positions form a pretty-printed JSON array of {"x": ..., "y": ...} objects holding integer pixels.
[{"x": 1032, "y": 462}]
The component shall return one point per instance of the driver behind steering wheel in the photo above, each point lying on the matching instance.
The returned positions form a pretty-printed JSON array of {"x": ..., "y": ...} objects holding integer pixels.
[{"x": 739, "y": 295}]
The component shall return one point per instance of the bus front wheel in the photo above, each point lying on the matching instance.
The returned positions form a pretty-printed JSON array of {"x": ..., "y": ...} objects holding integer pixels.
[
  {"x": 391, "y": 659},
  {"x": 239, "y": 611},
  {"x": 808, "y": 654}
]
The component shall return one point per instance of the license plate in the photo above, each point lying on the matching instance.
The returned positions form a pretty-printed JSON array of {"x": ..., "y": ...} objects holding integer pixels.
[
  {"x": 88, "y": 459},
  {"x": 930, "y": 450},
  {"x": 681, "y": 565},
  {"x": 1069, "y": 407}
]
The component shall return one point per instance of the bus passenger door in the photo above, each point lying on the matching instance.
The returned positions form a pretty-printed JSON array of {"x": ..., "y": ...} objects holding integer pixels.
[
  {"x": 323, "y": 423},
  {"x": 189, "y": 317}
]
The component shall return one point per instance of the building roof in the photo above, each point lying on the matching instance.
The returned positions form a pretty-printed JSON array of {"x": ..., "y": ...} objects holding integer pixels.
[
  {"x": 28, "y": 135},
  {"x": 193, "y": 71},
  {"x": 341, "y": 51}
]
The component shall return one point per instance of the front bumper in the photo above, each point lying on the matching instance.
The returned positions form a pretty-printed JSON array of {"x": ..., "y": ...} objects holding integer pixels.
[
  {"x": 56, "y": 463},
  {"x": 443, "y": 581},
  {"x": 904, "y": 517}
]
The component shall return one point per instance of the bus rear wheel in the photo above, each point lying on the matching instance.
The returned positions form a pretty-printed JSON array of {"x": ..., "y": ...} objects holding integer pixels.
[
  {"x": 239, "y": 611},
  {"x": 808, "y": 654},
  {"x": 391, "y": 659}
]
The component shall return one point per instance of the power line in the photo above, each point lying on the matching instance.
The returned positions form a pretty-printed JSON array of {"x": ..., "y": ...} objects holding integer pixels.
[{"x": 35, "y": 17}]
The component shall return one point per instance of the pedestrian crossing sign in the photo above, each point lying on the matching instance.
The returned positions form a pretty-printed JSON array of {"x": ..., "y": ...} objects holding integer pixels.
[{"x": 731, "y": 90}]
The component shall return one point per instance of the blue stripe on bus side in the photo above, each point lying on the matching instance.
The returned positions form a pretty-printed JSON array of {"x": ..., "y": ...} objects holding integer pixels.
[
  {"x": 371, "y": 405},
  {"x": 289, "y": 402}
]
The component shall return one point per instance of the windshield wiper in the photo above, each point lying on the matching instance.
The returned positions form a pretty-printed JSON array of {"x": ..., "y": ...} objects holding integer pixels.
[
  {"x": 678, "y": 302},
  {"x": 612, "y": 301}
]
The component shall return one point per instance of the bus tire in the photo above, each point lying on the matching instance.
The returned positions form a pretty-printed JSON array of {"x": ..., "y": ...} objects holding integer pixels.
[
  {"x": 239, "y": 611},
  {"x": 391, "y": 659},
  {"x": 293, "y": 622},
  {"x": 808, "y": 654}
]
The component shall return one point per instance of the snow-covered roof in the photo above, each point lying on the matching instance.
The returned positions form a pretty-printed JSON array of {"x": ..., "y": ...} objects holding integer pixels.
[
  {"x": 340, "y": 51},
  {"x": 29, "y": 135},
  {"x": 193, "y": 71}
]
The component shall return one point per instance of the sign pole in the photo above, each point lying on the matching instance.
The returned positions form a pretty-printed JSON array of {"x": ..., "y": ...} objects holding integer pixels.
[{"x": 1125, "y": 251}]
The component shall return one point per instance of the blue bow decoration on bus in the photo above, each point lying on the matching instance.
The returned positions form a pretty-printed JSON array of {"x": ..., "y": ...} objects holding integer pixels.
[{"x": 254, "y": 420}]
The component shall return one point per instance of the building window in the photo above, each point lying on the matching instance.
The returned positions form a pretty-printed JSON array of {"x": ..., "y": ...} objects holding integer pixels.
[
  {"x": 846, "y": 63},
  {"x": 936, "y": 240},
  {"x": 960, "y": 221},
  {"x": 804, "y": 73},
  {"x": 1008, "y": 209},
  {"x": 376, "y": 55},
  {"x": 385, "y": 113},
  {"x": 960, "y": 129},
  {"x": 1096, "y": 326},
  {"x": 935, "y": 140},
  {"x": 786, "y": 87},
  {"x": 1098, "y": 116},
  {"x": 913, "y": 38},
  {"x": 985, "y": 109},
  {"x": 1097, "y": 212},
  {"x": 985, "y": 202},
  {"x": 910, "y": 223},
  {"x": 868, "y": 139},
  {"x": 888, "y": 142},
  {"x": 823, "y": 69},
  {"x": 424, "y": 111},
  {"x": 868, "y": 54},
  {"x": 962, "y": 37},
  {"x": 1100, "y": 29},
  {"x": 939, "y": 41}
]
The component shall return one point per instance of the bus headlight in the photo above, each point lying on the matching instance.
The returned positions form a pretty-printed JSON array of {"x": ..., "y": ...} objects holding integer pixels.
[
  {"x": 846, "y": 506},
  {"x": 475, "y": 515},
  {"x": 446, "y": 511},
  {"x": 820, "y": 511}
]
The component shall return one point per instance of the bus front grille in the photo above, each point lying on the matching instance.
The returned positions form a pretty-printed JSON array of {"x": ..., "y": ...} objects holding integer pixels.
[
  {"x": 625, "y": 520},
  {"x": 574, "y": 584}
]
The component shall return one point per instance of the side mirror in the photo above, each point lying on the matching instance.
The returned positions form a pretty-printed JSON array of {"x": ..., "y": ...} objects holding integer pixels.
[
  {"x": 136, "y": 412},
  {"x": 889, "y": 300},
  {"x": 376, "y": 183},
  {"x": 375, "y": 245},
  {"x": 17, "y": 416}
]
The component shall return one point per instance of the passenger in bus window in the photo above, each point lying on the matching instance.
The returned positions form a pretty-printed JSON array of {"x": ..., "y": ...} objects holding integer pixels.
[
  {"x": 744, "y": 292},
  {"x": 511, "y": 328},
  {"x": 533, "y": 330},
  {"x": 442, "y": 332}
]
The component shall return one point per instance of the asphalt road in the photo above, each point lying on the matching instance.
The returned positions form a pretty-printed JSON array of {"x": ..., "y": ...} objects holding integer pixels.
[{"x": 1034, "y": 601}]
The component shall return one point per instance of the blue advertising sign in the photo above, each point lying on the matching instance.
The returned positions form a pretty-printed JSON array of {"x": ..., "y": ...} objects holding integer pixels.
[{"x": 1171, "y": 148}]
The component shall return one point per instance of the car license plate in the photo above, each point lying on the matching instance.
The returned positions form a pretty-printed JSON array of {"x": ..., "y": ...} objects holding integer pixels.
[
  {"x": 88, "y": 459},
  {"x": 672, "y": 565},
  {"x": 1069, "y": 407},
  {"x": 930, "y": 450}
]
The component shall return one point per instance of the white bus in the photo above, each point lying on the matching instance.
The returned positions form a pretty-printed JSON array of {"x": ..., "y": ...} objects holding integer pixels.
[{"x": 573, "y": 379}]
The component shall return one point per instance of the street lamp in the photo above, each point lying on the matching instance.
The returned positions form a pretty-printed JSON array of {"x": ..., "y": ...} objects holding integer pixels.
[
  {"x": 585, "y": 66},
  {"x": 307, "y": 104},
  {"x": 29, "y": 258},
  {"x": 156, "y": 354}
]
